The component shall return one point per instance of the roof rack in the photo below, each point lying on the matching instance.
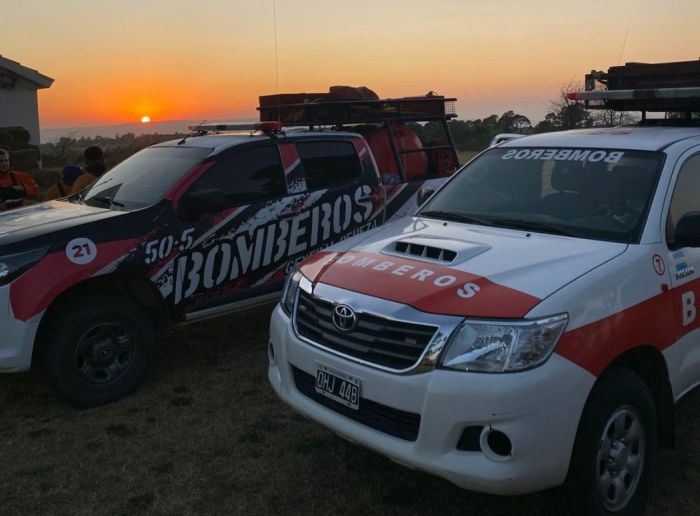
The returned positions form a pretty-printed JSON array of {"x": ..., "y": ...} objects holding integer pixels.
[
  {"x": 315, "y": 109},
  {"x": 659, "y": 87}
]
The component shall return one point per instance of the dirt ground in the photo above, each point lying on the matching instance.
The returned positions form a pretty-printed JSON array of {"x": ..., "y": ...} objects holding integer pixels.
[{"x": 205, "y": 434}]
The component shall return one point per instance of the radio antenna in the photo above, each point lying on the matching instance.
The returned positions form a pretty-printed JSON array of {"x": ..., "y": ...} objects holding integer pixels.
[
  {"x": 622, "y": 50},
  {"x": 277, "y": 73}
]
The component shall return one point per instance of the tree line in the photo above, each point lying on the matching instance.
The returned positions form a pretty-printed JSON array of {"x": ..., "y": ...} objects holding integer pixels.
[{"x": 563, "y": 114}]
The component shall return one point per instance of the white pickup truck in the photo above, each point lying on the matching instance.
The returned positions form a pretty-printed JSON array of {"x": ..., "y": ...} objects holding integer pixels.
[{"x": 531, "y": 326}]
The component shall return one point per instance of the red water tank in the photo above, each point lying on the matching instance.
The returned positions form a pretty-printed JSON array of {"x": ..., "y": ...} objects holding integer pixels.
[{"x": 415, "y": 164}]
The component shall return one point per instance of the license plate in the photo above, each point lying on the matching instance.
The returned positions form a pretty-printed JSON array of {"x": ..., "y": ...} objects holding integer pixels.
[{"x": 338, "y": 386}]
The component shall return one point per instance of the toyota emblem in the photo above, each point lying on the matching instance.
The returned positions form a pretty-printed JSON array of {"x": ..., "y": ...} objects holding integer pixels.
[{"x": 344, "y": 318}]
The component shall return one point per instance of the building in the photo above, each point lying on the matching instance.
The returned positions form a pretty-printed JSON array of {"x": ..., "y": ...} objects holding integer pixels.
[{"x": 18, "y": 96}]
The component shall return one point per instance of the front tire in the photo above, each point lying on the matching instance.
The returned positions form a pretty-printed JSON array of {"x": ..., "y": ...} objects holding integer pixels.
[
  {"x": 614, "y": 454},
  {"x": 99, "y": 349}
]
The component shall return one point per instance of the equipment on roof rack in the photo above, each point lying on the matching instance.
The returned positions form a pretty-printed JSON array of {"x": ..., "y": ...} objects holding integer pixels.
[
  {"x": 660, "y": 87},
  {"x": 318, "y": 109}
]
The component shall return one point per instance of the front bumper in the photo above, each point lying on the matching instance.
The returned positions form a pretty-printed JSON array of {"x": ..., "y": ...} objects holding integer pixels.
[
  {"x": 538, "y": 410},
  {"x": 16, "y": 337}
]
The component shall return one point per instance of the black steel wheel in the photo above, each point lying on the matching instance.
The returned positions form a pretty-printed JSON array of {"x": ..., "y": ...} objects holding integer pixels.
[
  {"x": 99, "y": 349},
  {"x": 104, "y": 352}
]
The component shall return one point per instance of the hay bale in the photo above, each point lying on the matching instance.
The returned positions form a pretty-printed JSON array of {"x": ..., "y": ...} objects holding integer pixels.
[
  {"x": 5, "y": 140},
  {"x": 19, "y": 134},
  {"x": 24, "y": 159}
]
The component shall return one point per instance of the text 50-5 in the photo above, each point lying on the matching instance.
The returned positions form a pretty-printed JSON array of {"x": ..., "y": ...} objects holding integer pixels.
[{"x": 161, "y": 248}]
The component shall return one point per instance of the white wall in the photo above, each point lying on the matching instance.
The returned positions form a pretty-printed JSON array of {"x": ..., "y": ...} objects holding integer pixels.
[{"x": 18, "y": 106}]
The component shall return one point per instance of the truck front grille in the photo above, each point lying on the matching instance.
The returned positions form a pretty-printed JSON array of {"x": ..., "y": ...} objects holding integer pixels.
[{"x": 385, "y": 342}]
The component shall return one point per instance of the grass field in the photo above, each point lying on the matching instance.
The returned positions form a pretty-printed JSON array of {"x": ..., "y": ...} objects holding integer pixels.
[{"x": 205, "y": 434}]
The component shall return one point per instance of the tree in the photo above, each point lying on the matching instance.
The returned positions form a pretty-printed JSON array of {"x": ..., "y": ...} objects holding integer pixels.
[
  {"x": 612, "y": 118},
  {"x": 565, "y": 113},
  {"x": 511, "y": 122}
]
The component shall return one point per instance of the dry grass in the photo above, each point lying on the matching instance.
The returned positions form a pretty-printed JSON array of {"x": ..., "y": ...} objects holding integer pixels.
[{"x": 206, "y": 435}]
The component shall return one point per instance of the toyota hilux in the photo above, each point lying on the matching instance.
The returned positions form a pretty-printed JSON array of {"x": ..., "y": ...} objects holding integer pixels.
[{"x": 530, "y": 326}]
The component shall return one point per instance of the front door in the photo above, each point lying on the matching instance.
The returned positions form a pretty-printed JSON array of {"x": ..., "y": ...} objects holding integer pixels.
[
  {"x": 684, "y": 268},
  {"x": 233, "y": 255}
]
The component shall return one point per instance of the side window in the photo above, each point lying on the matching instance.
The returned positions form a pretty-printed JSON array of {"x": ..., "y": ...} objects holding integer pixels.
[
  {"x": 327, "y": 163},
  {"x": 686, "y": 195},
  {"x": 247, "y": 176}
]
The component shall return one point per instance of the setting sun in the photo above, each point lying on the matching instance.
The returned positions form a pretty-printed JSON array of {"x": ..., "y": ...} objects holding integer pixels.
[{"x": 145, "y": 119}]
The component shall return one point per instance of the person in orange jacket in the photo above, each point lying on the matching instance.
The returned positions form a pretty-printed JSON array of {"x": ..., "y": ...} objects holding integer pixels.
[
  {"x": 94, "y": 168},
  {"x": 64, "y": 186},
  {"x": 15, "y": 187}
]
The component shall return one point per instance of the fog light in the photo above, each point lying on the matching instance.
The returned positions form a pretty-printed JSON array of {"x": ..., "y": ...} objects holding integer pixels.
[{"x": 499, "y": 443}]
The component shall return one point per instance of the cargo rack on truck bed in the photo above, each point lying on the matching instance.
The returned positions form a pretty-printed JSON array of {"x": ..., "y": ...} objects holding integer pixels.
[
  {"x": 317, "y": 110},
  {"x": 659, "y": 87}
]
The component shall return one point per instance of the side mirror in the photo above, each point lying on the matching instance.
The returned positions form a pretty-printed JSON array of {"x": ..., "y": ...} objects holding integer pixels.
[
  {"x": 423, "y": 195},
  {"x": 202, "y": 201},
  {"x": 688, "y": 230}
]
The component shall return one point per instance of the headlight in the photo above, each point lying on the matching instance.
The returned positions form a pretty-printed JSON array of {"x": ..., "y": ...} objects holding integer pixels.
[
  {"x": 12, "y": 265},
  {"x": 503, "y": 346},
  {"x": 289, "y": 293}
]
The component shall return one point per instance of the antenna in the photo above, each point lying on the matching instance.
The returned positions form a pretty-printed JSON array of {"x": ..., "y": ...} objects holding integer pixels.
[
  {"x": 188, "y": 135},
  {"x": 277, "y": 72},
  {"x": 622, "y": 50}
]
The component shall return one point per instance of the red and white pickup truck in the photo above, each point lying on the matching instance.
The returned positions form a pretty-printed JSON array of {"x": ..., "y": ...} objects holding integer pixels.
[{"x": 533, "y": 324}]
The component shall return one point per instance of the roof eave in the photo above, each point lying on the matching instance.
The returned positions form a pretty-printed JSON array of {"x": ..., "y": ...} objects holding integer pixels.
[{"x": 28, "y": 74}]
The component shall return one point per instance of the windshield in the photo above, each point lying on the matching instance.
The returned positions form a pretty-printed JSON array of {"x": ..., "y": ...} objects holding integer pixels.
[
  {"x": 588, "y": 193},
  {"x": 143, "y": 178}
]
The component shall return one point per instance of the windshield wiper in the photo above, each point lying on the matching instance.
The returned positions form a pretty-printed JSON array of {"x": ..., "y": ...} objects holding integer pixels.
[
  {"x": 107, "y": 200},
  {"x": 457, "y": 217},
  {"x": 534, "y": 225}
]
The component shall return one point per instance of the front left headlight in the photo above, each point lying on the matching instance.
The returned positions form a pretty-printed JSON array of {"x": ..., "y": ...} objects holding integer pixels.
[
  {"x": 503, "y": 346},
  {"x": 289, "y": 293},
  {"x": 12, "y": 265}
]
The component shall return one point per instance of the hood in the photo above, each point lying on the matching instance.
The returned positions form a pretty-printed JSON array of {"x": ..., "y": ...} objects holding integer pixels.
[
  {"x": 459, "y": 269},
  {"x": 38, "y": 220}
]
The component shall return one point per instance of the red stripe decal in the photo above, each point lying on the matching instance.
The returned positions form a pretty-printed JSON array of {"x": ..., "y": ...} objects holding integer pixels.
[
  {"x": 34, "y": 291},
  {"x": 657, "y": 321},
  {"x": 425, "y": 286},
  {"x": 289, "y": 155},
  {"x": 359, "y": 144},
  {"x": 179, "y": 189}
]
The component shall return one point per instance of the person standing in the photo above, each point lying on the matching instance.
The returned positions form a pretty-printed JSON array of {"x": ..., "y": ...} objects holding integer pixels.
[
  {"x": 94, "y": 168},
  {"x": 65, "y": 185},
  {"x": 15, "y": 187}
]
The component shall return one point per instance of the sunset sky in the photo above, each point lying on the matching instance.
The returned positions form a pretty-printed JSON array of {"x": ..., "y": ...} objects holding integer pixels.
[{"x": 116, "y": 61}]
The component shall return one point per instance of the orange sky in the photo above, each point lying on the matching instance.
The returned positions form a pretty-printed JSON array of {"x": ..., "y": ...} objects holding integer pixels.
[{"x": 114, "y": 62}]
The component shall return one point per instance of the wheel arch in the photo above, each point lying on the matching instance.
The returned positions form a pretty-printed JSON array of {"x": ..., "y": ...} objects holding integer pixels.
[
  {"x": 649, "y": 363},
  {"x": 130, "y": 286}
]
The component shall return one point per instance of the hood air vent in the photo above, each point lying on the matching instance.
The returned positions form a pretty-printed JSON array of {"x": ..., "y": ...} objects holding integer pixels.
[
  {"x": 435, "y": 249},
  {"x": 425, "y": 251}
]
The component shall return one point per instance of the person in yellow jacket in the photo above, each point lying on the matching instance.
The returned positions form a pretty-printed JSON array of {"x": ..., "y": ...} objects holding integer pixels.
[
  {"x": 15, "y": 186},
  {"x": 65, "y": 185},
  {"x": 94, "y": 168}
]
